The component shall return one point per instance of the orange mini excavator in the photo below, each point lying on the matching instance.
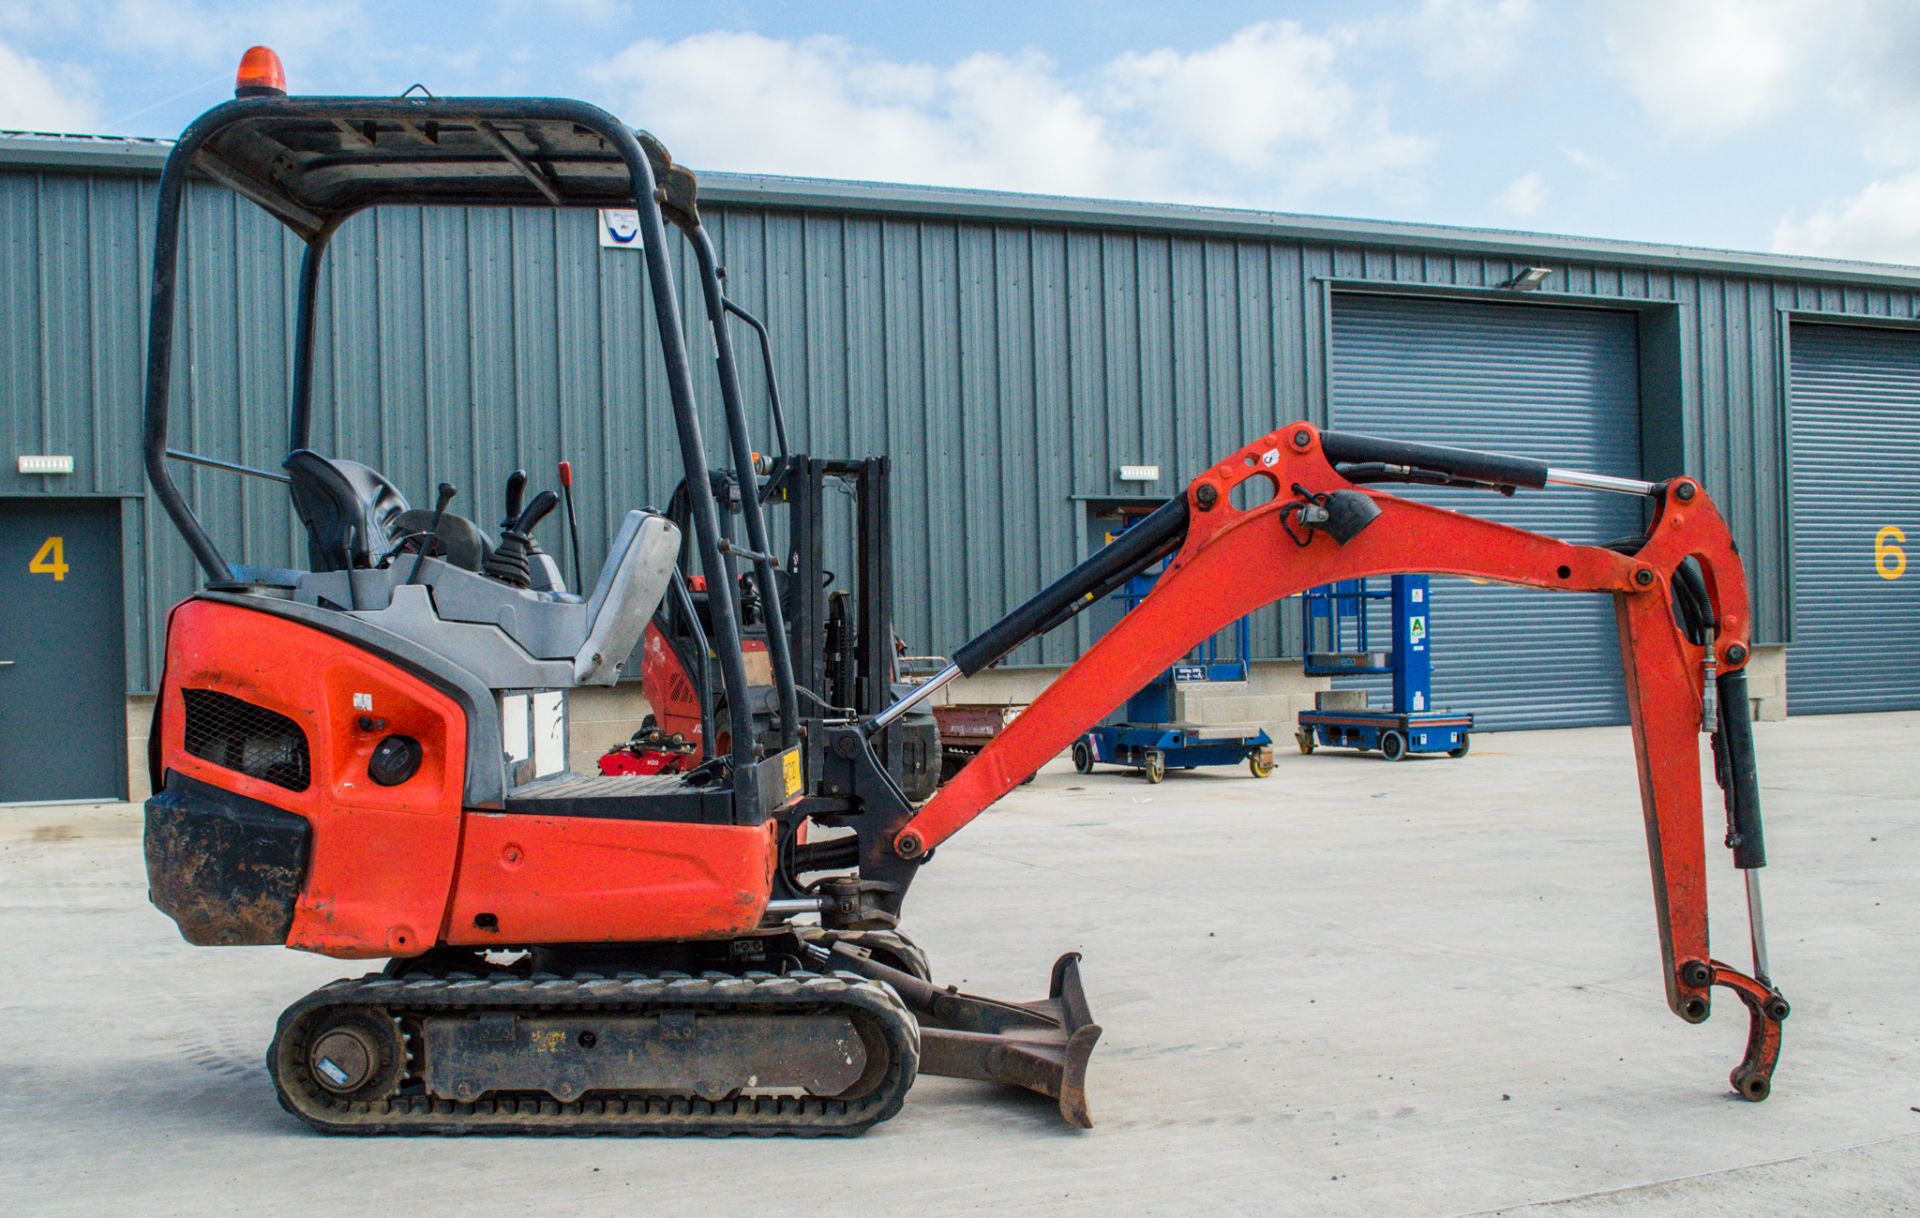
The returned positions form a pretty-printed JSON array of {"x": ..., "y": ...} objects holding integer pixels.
[{"x": 366, "y": 757}]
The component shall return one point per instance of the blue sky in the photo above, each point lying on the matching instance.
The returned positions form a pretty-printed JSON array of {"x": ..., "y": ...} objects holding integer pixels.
[{"x": 1791, "y": 125}]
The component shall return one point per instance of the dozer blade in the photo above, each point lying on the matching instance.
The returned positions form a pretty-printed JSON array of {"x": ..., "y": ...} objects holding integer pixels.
[{"x": 1042, "y": 1046}]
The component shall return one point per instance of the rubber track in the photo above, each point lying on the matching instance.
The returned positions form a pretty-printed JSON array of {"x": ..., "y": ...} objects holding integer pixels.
[{"x": 598, "y": 1113}]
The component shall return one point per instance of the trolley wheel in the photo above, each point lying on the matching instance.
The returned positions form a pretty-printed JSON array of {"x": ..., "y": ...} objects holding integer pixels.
[
  {"x": 1460, "y": 750},
  {"x": 1305, "y": 739},
  {"x": 1156, "y": 765},
  {"x": 1082, "y": 757},
  {"x": 1393, "y": 746},
  {"x": 1259, "y": 767}
]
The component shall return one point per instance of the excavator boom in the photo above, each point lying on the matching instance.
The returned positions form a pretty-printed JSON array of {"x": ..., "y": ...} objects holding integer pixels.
[{"x": 1684, "y": 621}]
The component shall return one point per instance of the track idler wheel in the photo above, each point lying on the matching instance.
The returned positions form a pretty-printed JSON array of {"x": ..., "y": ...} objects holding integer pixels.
[{"x": 355, "y": 1056}]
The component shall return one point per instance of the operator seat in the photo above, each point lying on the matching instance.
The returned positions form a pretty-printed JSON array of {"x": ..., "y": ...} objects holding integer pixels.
[{"x": 349, "y": 510}]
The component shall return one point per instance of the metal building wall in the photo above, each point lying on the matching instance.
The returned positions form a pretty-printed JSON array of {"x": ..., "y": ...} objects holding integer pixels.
[{"x": 1009, "y": 353}]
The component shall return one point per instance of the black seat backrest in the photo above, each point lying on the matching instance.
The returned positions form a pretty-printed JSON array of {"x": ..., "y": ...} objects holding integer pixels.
[{"x": 348, "y": 508}]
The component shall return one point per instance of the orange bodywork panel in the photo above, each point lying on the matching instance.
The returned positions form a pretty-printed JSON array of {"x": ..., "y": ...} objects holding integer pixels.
[
  {"x": 394, "y": 871},
  {"x": 382, "y": 859},
  {"x": 572, "y": 879}
]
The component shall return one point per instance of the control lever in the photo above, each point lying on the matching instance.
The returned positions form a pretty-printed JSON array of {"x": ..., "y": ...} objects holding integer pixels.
[
  {"x": 508, "y": 562},
  {"x": 536, "y": 511},
  {"x": 573, "y": 524},
  {"x": 516, "y": 491},
  {"x": 447, "y": 492}
]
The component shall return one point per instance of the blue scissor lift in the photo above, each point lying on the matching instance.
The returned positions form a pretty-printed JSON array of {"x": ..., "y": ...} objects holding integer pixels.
[
  {"x": 1337, "y": 645},
  {"x": 1150, "y": 739}
]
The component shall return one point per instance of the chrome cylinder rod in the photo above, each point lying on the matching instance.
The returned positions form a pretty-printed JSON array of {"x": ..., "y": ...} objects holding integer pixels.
[
  {"x": 784, "y": 907},
  {"x": 920, "y": 694},
  {"x": 1600, "y": 482},
  {"x": 1757, "y": 927}
]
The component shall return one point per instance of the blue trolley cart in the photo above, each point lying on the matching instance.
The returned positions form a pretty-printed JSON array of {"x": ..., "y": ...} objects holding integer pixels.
[
  {"x": 1337, "y": 644},
  {"x": 1151, "y": 740}
]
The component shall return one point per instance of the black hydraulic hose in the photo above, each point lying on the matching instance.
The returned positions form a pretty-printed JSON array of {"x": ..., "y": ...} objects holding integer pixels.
[
  {"x": 1691, "y": 603},
  {"x": 1498, "y": 469},
  {"x": 1735, "y": 766},
  {"x": 1152, "y": 539}
]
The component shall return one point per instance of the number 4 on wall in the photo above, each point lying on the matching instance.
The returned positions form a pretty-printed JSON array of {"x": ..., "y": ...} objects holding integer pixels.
[{"x": 50, "y": 559}]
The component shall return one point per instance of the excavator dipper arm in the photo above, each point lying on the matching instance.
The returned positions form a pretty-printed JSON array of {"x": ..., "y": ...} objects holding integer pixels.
[{"x": 1681, "y": 668}]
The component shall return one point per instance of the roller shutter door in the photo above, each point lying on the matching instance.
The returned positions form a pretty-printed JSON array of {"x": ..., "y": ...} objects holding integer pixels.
[
  {"x": 1559, "y": 384},
  {"x": 1856, "y": 520}
]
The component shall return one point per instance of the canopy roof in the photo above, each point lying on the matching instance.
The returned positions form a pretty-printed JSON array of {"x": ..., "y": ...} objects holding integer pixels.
[{"x": 312, "y": 161}]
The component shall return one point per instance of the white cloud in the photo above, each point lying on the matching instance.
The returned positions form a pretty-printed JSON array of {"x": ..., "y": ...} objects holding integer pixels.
[
  {"x": 1876, "y": 41},
  {"x": 40, "y": 97},
  {"x": 1880, "y": 224},
  {"x": 1524, "y": 196},
  {"x": 1271, "y": 92},
  {"x": 1264, "y": 117},
  {"x": 1706, "y": 67},
  {"x": 1470, "y": 41},
  {"x": 821, "y": 107},
  {"x": 1589, "y": 164}
]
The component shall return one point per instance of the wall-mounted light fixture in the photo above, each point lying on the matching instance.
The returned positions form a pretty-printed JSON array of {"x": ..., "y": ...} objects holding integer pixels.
[
  {"x": 1139, "y": 473},
  {"x": 46, "y": 463},
  {"x": 1529, "y": 279}
]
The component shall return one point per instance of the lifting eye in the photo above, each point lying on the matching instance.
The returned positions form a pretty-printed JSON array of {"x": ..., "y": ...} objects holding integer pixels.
[{"x": 394, "y": 760}]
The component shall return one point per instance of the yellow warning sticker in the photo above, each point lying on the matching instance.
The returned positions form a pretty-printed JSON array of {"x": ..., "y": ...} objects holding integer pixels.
[{"x": 790, "y": 767}]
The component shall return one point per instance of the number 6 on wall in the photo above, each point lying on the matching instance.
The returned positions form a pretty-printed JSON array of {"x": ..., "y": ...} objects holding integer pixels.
[
  {"x": 1888, "y": 559},
  {"x": 51, "y": 559}
]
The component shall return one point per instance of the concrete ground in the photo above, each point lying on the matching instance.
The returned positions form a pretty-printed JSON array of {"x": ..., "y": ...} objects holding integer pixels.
[{"x": 1352, "y": 988}]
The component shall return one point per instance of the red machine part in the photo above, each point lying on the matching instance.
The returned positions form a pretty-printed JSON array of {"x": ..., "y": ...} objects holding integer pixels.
[
  {"x": 1234, "y": 561},
  {"x": 382, "y": 858},
  {"x": 669, "y": 691},
  {"x": 393, "y": 871},
  {"x": 635, "y": 759},
  {"x": 549, "y": 879},
  {"x": 675, "y": 701}
]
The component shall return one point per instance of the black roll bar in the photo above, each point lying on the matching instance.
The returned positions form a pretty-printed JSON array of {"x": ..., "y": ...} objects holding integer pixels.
[
  {"x": 778, "y": 647},
  {"x": 315, "y": 228},
  {"x": 774, "y": 404}
]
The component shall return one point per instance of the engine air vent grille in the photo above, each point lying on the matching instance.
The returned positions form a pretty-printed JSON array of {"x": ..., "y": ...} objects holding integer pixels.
[{"x": 253, "y": 740}]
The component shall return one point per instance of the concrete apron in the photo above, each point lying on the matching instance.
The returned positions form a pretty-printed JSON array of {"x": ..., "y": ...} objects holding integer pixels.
[{"x": 1350, "y": 988}]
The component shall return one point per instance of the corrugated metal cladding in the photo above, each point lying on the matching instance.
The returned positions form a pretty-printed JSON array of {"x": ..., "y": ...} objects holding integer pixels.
[
  {"x": 1010, "y": 353},
  {"x": 1856, "y": 519},
  {"x": 1558, "y": 384}
]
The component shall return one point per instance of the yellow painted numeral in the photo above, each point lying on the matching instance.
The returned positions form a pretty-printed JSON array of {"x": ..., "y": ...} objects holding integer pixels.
[
  {"x": 1888, "y": 559},
  {"x": 51, "y": 559}
]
